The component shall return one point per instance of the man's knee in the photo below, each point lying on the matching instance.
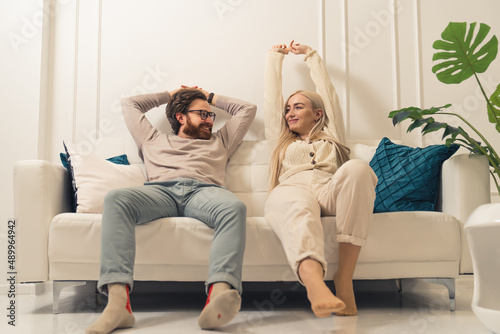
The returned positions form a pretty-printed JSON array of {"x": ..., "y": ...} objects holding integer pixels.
[
  {"x": 233, "y": 210},
  {"x": 238, "y": 207},
  {"x": 116, "y": 197}
]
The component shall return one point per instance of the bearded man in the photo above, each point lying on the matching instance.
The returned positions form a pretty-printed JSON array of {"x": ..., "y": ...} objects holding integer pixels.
[{"x": 186, "y": 176}]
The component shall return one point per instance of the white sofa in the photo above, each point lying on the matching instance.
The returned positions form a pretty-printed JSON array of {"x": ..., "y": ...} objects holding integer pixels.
[{"x": 57, "y": 245}]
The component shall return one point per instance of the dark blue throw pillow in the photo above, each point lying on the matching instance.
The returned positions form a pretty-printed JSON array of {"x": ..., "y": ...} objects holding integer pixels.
[
  {"x": 119, "y": 159},
  {"x": 408, "y": 178}
]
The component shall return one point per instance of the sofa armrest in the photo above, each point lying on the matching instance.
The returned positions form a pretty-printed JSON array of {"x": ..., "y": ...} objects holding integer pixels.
[
  {"x": 465, "y": 185},
  {"x": 41, "y": 191}
]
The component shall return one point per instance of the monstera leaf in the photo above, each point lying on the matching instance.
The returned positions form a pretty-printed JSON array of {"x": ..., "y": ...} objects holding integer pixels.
[
  {"x": 463, "y": 51},
  {"x": 460, "y": 55},
  {"x": 415, "y": 114},
  {"x": 418, "y": 119},
  {"x": 494, "y": 108}
]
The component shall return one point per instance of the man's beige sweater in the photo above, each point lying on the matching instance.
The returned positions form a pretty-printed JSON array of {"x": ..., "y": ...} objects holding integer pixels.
[{"x": 168, "y": 157}]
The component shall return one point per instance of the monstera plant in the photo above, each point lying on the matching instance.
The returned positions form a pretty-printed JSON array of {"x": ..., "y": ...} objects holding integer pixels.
[{"x": 463, "y": 52}]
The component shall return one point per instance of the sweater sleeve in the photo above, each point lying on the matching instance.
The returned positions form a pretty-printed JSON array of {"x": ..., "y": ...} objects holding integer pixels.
[
  {"x": 235, "y": 129},
  {"x": 326, "y": 90},
  {"x": 134, "y": 112},
  {"x": 273, "y": 95}
]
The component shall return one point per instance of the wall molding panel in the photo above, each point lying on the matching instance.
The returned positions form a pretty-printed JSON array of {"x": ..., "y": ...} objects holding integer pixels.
[
  {"x": 347, "y": 33},
  {"x": 87, "y": 60}
]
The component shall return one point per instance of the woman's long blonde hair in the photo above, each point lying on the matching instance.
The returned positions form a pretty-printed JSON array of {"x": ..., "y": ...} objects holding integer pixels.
[{"x": 287, "y": 136}]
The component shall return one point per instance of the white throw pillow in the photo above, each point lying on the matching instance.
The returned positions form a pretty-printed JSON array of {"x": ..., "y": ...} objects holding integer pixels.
[{"x": 94, "y": 177}]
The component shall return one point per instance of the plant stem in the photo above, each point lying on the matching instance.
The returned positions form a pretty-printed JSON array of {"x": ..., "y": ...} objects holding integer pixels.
[
  {"x": 496, "y": 182},
  {"x": 480, "y": 148},
  {"x": 488, "y": 102},
  {"x": 477, "y": 132},
  {"x": 493, "y": 164},
  {"x": 490, "y": 105}
]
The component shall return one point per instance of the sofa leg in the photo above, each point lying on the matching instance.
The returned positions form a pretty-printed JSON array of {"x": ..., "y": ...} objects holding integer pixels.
[
  {"x": 399, "y": 285},
  {"x": 57, "y": 288},
  {"x": 449, "y": 283}
]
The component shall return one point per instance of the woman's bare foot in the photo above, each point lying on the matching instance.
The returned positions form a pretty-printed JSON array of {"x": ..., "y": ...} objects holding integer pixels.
[
  {"x": 323, "y": 301},
  {"x": 345, "y": 292}
]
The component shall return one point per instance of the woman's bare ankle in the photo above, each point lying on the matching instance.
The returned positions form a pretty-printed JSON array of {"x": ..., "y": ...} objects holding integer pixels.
[{"x": 345, "y": 291}]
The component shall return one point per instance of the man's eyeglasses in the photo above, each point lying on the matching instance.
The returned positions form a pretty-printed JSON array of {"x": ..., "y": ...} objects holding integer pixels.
[{"x": 204, "y": 114}]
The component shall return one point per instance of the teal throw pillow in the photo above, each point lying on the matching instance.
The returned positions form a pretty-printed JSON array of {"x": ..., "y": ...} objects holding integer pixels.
[{"x": 408, "y": 178}]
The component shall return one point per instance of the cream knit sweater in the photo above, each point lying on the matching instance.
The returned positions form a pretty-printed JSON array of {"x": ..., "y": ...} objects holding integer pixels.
[{"x": 303, "y": 155}]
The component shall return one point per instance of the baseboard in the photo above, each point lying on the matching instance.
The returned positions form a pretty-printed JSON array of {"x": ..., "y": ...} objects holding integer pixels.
[{"x": 26, "y": 288}]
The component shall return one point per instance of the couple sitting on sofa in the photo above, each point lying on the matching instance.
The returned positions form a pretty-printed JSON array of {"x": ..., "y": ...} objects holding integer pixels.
[{"x": 311, "y": 175}]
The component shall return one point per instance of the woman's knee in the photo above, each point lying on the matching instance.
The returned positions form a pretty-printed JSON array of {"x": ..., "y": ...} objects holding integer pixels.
[
  {"x": 291, "y": 196},
  {"x": 358, "y": 170}
]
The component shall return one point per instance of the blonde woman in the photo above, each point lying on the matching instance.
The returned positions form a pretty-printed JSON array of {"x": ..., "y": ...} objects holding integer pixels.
[{"x": 312, "y": 176}]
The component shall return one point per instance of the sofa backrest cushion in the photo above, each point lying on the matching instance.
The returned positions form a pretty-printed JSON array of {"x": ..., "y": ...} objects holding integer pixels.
[
  {"x": 246, "y": 171},
  {"x": 247, "y": 175}
]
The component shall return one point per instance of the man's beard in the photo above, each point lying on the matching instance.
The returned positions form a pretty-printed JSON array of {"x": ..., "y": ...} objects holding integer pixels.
[{"x": 196, "y": 132}]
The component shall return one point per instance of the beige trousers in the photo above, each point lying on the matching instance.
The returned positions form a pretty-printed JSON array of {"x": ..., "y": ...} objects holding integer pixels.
[{"x": 294, "y": 209}]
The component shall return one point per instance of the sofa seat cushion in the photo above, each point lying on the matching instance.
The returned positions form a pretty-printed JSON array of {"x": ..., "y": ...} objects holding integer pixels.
[
  {"x": 177, "y": 248},
  {"x": 176, "y": 240},
  {"x": 412, "y": 236}
]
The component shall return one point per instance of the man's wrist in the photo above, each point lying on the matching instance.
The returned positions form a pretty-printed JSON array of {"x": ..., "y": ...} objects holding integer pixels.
[{"x": 210, "y": 98}]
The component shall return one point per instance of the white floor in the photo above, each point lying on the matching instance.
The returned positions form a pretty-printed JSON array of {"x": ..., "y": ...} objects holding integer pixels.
[{"x": 420, "y": 308}]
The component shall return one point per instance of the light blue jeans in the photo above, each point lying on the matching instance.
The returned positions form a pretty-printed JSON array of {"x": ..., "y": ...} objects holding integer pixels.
[{"x": 214, "y": 205}]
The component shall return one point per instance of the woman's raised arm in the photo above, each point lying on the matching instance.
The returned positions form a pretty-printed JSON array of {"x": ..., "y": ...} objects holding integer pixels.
[
  {"x": 273, "y": 96},
  {"x": 325, "y": 89}
]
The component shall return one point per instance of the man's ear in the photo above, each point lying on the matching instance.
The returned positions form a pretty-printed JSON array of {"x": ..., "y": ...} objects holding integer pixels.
[{"x": 180, "y": 118}]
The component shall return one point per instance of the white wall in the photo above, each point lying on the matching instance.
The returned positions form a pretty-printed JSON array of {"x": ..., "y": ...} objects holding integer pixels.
[
  {"x": 378, "y": 53},
  {"x": 20, "y": 93},
  {"x": 66, "y": 79}
]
